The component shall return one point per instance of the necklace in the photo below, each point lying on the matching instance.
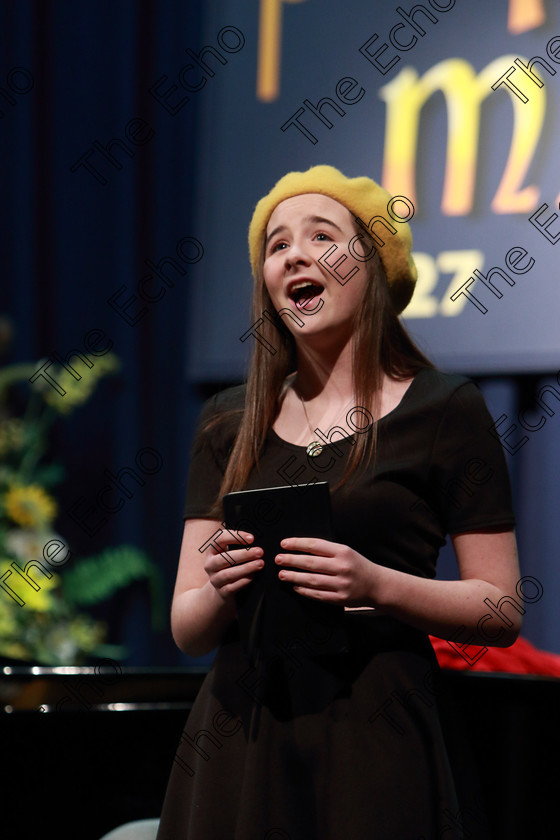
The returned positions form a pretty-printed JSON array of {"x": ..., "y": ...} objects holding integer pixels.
[{"x": 314, "y": 448}]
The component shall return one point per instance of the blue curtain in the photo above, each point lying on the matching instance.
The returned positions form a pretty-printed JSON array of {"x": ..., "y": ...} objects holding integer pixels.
[{"x": 70, "y": 243}]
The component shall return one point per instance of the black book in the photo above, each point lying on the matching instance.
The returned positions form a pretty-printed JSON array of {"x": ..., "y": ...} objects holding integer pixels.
[{"x": 273, "y": 619}]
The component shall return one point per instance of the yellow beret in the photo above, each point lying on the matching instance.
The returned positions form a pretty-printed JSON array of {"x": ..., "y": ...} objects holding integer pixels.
[{"x": 366, "y": 200}]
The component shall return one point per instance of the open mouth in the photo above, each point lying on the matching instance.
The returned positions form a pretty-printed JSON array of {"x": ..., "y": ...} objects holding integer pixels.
[{"x": 304, "y": 293}]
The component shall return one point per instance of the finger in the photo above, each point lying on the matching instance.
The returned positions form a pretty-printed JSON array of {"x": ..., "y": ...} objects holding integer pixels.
[
  {"x": 227, "y": 537},
  {"x": 227, "y": 543},
  {"x": 232, "y": 588},
  {"x": 308, "y": 562},
  {"x": 313, "y": 545},
  {"x": 230, "y": 574},
  {"x": 240, "y": 555},
  {"x": 233, "y": 559},
  {"x": 223, "y": 539},
  {"x": 307, "y": 581}
]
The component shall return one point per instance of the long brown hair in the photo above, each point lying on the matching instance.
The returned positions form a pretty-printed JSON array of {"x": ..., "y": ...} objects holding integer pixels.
[{"x": 381, "y": 346}]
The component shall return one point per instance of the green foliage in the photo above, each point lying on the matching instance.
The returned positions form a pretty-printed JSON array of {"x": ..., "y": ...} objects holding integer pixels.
[
  {"x": 49, "y": 624},
  {"x": 49, "y": 475},
  {"x": 93, "y": 579}
]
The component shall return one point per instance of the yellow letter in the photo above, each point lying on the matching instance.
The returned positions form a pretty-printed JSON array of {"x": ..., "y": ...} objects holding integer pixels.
[
  {"x": 464, "y": 91},
  {"x": 527, "y": 124},
  {"x": 270, "y": 38},
  {"x": 524, "y": 15}
]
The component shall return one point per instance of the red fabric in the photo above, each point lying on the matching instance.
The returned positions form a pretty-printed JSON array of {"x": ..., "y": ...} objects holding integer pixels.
[{"x": 521, "y": 658}]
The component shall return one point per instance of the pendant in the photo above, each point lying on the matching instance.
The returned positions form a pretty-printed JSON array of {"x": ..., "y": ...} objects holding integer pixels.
[{"x": 314, "y": 448}]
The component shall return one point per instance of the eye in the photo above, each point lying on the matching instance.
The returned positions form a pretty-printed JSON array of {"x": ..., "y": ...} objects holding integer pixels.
[
  {"x": 276, "y": 247},
  {"x": 322, "y": 237}
]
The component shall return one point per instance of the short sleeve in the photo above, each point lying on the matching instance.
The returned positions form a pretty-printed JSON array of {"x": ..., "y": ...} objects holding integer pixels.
[
  {"x": 469, "y": 476},
  {"x": 205, "y": 470}
]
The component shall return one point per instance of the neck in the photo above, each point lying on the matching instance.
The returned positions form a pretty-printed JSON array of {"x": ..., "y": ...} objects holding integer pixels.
[{"x": 327, "y": 373}]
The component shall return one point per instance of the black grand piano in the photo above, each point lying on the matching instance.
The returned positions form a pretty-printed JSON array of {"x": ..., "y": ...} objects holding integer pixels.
[{"x": 85, "y": 750}]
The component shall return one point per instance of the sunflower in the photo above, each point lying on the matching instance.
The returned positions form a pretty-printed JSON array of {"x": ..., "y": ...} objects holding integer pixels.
[
  {"x": 29, "y": 506},
  {"x": 40, "y": 600}
]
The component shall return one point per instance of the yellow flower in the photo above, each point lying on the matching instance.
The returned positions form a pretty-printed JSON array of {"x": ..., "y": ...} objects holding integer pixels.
[
  {"x": 8, "y": 623},
  {"x": 14, "y": 650},
  {"x": 86, "y": 632},
  {"x": 78, "y": 391},
  {"x": 29, "y": 505},
  {"x": 39, "y": 601}
]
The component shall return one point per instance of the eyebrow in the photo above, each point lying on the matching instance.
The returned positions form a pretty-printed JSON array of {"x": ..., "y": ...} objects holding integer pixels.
[{"x": 314, "y": 221}]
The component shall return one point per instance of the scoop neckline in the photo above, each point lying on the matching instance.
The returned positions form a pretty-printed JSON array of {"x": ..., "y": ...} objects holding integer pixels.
[{"x": 399, "y": 405}]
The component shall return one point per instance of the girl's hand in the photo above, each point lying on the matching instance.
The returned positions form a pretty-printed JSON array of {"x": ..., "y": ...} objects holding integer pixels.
[
  {"x": 330, "y": 572},
  {"x": 232, "y": 570}
]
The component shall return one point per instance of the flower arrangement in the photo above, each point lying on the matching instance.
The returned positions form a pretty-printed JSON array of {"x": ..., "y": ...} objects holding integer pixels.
[{"x": 41, "y": 617}]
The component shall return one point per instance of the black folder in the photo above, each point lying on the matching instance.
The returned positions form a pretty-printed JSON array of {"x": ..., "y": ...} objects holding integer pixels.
[{"x": 273, "y": 619}]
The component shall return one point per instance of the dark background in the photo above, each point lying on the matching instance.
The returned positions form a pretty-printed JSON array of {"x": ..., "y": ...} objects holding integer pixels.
[{"x": 69, "y": 242}]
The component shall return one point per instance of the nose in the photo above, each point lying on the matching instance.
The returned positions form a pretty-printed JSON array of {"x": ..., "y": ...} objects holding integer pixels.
[{"x": 295, "y": 255}]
